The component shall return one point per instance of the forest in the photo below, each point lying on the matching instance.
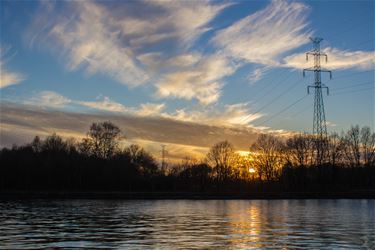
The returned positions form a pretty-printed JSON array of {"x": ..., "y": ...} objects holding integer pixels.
[{"x": 274, "y": 164}]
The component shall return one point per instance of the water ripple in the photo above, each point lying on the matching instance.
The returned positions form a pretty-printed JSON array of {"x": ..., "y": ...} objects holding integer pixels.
[{"x": 171, "y": 224}]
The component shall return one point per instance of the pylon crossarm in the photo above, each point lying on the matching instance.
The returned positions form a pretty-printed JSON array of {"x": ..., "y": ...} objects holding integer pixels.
[
  {"x": 325, "y": 55},
  {"x": 308, "y": 69},
  {"x": 327, "y": 71},
  {"x": 308, "y": 88},
  {"x": 325, "y": 87},
  {"x": 312, "y": 53}
]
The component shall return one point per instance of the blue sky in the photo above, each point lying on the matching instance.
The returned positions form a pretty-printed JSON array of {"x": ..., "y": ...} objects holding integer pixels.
[{"x": 233, "y": 64}]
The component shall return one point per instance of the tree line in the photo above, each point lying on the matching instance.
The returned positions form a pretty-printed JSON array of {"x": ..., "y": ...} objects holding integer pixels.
[{"x": 99, "y": 163}]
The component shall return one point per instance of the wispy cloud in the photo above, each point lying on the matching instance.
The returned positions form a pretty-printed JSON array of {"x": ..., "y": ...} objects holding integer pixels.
[
  {"x": 257, "y": 74},
  {"x": 267, "y": 34},
  {"x": 150, "y": 109},
  {"x": 7, "y": 77},
  {"x": 20, "y": 123},
  {"x": 91, "y": 40},
  {"x": 238, "y": 114},
  {"x": 106, "y": 104},
  {"x": 49, "y": 99},
  {"x": 337, "y": 60},
  {"x": 115, "y": 38},
  {"x": 181, "y": 20},
  {"x": 201, "y": 80}
]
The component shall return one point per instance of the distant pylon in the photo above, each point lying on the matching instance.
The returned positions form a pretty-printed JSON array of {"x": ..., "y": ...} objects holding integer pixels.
[
  {"x": 163, "y": 155},
  {"x": 319, "y": 120}
]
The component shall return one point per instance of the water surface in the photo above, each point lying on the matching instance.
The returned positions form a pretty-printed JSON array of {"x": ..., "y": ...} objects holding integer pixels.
[{"x": 171, "y": 224}]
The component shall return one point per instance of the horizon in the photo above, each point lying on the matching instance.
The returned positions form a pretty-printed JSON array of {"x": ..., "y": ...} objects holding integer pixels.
[{"x": 187, "y": 74}]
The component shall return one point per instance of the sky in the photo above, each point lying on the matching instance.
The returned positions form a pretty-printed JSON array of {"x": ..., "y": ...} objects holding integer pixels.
[{"x": 185, "y": 74}]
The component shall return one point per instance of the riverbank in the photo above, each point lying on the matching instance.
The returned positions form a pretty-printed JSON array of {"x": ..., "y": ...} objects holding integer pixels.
[{"x": 357, "y": 194}]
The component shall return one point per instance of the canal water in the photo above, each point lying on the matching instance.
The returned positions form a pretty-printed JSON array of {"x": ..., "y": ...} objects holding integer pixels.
[{"x": 176, "y": 224}]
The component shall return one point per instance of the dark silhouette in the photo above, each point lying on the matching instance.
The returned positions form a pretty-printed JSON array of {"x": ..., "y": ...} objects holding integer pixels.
[{"x": 276, "y": 165}]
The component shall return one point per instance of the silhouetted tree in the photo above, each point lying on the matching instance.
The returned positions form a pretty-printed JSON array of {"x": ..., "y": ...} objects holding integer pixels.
[
  {"x": 221, "y": 156},
  {"x": 368, "y": 146},
  {"x": 63, "y": 164},
  {"x": 352, "y": 146},
  {"x": 36, "y": 144},
  {"x": 299, "y": 149},
  {"x": 335, "y": 149},
  {"x": 54, "y": 143},
  {"x": 269, "y": 158},
  {"x": 143, "y": 160},
  {"x": 103, "y": 139}
]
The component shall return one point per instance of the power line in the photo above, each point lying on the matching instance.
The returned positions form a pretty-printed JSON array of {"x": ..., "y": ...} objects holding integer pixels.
[
  {"x": 270, "y": 86},
  {"x": 278, "y": 97},
  {"x": 283, "y": 110},
  {"x": 354, "y": 85},
  {"x": 336, "y": 35},
  {"x": 352, "y": 91},
  {"x": 300, "y": 111},
  {"x": 351, "y": 74}
]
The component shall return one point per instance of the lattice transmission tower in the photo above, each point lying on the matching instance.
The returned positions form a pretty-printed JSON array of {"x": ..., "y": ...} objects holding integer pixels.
[
  {"x": 319, "y": 120},
  {"x": 163, "y": 156}
]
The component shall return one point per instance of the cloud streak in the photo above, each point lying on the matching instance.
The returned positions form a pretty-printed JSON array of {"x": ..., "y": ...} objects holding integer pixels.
[
  {"x": 337, "y": 60},
  {"x": 8, "y": 78},
  {"x": 91, "y": 41},
  {"x": 267, "y": 34},
  {"x": 21, "y": 123},
  {"x": 232, "y": 115},
  {"x": 238, "y": 114},
  {"x": 201, "y": 80},
  {"x": 108, "y": 38}
]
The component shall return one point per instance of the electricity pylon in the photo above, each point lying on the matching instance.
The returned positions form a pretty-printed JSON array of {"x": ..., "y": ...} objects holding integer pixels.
[
  {"x": 319, "y": 120},
  {"x": 163, "y": 155}
]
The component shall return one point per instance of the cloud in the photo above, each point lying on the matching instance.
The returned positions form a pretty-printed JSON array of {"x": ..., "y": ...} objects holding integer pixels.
[
  {"x": 117, "y": 38},
  {"x": 201, "y": 81},
  {"x": 257, "y": 74},
  {"x": 175, "y": 152},
  {"x": 337, "y": 60},
  {"x": 230, "y": 115},
  {"x": 8, "y": 78},
  {"x": 92, "y": 41},
  {"x": 188, "y": 19},
  {"x": 106, "y": 105},
  {"x": 49, "y": 99},
  {"x": 331, "y": 124},
  {"x": 150, "y": 109},
  {"x": 19, "y": 124},
  {"x": 156, "y": 61},
  {"x": 267, "y": 34}
]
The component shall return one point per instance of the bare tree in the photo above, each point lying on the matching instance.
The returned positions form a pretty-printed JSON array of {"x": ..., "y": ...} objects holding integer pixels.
[
  {"x": 352, "y": 146},
  {"x": 37, "y": 144},
  {"x": 138, "y": 156},
  {"x": 269, "y": 156},
  {"x": 222, "y": 156},
  {"x": 54, "y": 143},
  {"x": 103, "y": 139},
  {"x": 299, "y": 149},
  {"x": 335, "y": 149},
  {"x": 368, "y": 146}
]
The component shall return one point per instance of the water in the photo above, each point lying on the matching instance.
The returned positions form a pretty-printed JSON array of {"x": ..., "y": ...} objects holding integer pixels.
[{"x": 171, "y": 224}]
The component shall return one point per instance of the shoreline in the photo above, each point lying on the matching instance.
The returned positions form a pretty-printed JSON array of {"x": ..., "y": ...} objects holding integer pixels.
[{"x": 358, "y": 194}]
